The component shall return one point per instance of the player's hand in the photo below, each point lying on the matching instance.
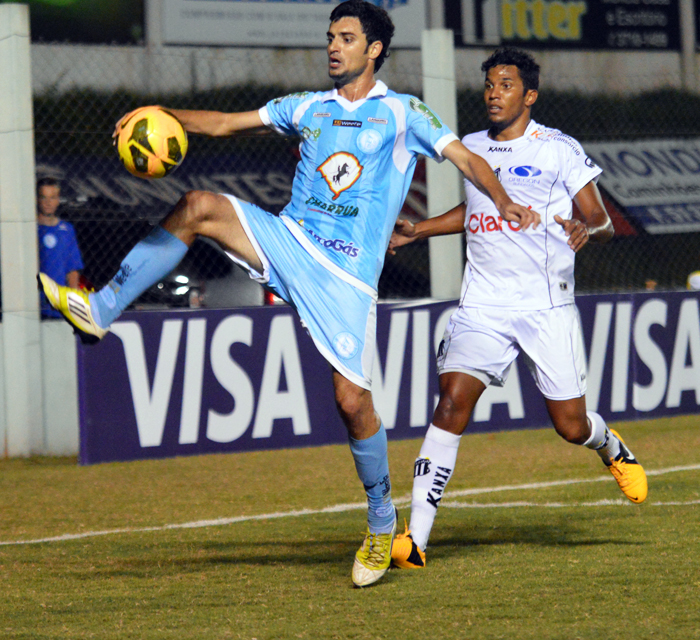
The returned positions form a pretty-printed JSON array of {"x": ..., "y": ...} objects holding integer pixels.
[
  {"x": 575, "y": 230},
  {"x": 118, "y": 126},
  {"x": 404, "y": 233},
  {"x": 524, "y": 216}
]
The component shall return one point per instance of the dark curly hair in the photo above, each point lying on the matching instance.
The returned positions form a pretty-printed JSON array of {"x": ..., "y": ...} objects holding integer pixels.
[
  {"x": 375, "y": 21},
  {"x": 47, "y": 182},
  {"x": 528, "y": 68}
]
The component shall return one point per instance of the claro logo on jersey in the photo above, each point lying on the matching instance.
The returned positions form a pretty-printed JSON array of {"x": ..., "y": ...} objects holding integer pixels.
[
  {"x": 340, "y": 171},
  {"x": 481, "y": 223}
]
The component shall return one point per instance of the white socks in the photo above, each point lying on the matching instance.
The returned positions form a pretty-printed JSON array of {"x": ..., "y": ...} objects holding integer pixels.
[
  {"x": 602, "y": 440},
  {"x": 431, "y": 472},
  {"x": 436, "y": 462}
]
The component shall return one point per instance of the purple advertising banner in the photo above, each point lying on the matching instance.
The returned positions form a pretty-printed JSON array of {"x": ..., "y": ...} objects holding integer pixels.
[{"x": 172, "y": 383}]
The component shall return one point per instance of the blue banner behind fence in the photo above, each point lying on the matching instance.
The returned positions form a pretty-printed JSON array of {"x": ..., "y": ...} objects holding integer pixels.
[{"x": 190, "y": 382}]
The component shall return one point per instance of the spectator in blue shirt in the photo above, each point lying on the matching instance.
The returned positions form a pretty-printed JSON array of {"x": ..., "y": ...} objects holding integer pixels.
[{"x": 59, "y": 254}]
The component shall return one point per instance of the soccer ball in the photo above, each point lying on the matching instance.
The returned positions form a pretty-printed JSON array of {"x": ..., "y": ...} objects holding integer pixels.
[
  {"x": 151, "y": 142},
  {"x": 694, "y": 281}
]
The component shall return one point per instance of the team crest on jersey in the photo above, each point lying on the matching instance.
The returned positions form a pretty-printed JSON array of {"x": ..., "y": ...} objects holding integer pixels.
[
  {"x": 421, "y": 108},
  {"x": 50, "y": 241},
  {"x": 369, "y": 141},
  {"x": 589, "y": 162},
  {"x": 340, "y": 171},
  {"x": 346, "y": 345}
]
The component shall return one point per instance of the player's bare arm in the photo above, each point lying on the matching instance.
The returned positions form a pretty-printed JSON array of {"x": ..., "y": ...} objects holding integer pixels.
[
  {"x": 596, "y": 225},
  {"x": 481, "y": 175},
  {"x": 448, "y": 223},
  {"x": 213, "y": 123}
]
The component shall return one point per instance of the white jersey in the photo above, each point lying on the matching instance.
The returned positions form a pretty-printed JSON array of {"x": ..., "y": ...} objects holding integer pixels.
[{"x": 533, "y": 269}]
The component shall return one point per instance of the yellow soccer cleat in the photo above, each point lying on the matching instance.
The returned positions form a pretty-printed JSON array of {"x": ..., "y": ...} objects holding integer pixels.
[
  {"x": 629, "y": 473},
  {"x": 373, "y": 558},
  {"x": 405, "y": 553},
  {"x": 74, "y": 305}
]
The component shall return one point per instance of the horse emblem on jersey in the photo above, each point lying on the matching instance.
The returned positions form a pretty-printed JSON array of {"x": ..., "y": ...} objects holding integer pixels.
[{"x": 340, "y": 171}]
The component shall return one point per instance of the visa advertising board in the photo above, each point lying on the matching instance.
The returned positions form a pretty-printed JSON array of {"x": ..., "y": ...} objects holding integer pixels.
[
  {"x": 174, "y": 383},
  {"x": 657, "y": 181}
]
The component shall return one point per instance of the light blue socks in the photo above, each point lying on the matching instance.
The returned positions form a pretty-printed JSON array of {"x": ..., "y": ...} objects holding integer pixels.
[
  {"x": 372, "y": 466},
  {"x": 148, "y": 262}
]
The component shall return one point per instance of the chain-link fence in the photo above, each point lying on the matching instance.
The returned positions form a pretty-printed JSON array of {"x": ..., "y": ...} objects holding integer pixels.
[{"x": 112, "y": 210}]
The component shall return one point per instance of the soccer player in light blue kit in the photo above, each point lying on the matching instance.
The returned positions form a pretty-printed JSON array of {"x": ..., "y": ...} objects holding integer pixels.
[{"x": 324, "y": 253}]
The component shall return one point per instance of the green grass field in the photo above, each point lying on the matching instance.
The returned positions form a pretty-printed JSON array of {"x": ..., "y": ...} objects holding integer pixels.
[{"x": 176, "y": 548}]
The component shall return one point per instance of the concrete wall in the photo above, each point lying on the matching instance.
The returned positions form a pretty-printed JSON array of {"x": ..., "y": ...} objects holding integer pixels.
[
  {"x": 174, "y": 69},
  {"x": 59, "y": 433},
  {"x": 60, "y": 380}
]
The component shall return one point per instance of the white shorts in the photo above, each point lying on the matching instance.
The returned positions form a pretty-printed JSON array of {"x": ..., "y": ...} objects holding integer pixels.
[{"x": 484, "y": 342}]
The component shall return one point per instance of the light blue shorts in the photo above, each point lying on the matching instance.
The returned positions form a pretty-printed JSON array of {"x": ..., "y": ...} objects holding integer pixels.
[{"x": 340, "y": 318}]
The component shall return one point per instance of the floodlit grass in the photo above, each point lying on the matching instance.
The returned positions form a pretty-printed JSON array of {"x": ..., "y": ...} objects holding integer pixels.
[{"x": 532, "y": 563}]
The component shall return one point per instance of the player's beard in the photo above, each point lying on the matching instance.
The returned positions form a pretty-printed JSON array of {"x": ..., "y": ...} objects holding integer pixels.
[{"x": 346, "y": 77}]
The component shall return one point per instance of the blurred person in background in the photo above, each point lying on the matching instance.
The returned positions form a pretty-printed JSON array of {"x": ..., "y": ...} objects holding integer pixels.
[{"x": 59, "y": 254}]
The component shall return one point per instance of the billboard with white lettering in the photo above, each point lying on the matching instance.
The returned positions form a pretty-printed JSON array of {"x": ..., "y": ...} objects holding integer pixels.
[
  {"x": 572, "y": 24},
  {"x": 189, "y": 382},
  {"x": 657, "y": 181},
  {"x": 283, "y": 23}
]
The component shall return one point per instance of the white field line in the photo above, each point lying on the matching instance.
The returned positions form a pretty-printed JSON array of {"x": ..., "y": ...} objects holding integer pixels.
[{"x": 339, "y": 508}]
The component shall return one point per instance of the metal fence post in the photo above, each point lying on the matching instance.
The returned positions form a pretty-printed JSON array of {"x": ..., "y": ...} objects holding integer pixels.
[
  {"x": 444, "y": 180},
  {"x": 21, "y": 365}
]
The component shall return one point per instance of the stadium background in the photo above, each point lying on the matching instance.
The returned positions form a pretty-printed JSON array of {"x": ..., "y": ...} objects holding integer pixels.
[
  {"x": 81, "y": 89},
  {"x": 82, "y": 85}
]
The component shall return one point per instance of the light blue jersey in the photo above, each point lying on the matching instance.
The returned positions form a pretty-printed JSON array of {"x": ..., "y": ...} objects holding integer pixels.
[{"x": 357, "y": 162}]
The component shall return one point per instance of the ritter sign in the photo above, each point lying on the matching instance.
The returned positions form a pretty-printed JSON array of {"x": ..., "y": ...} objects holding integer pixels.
[{"x": 571, "y": 24}]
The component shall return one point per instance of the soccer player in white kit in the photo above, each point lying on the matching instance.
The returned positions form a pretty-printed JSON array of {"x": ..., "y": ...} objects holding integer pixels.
[{"x": 517, "y": 292}]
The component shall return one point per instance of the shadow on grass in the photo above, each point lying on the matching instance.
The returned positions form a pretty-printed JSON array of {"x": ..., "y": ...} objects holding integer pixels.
[
  {"x": 562, "y": 534},
  {"x": 334, "y": 555}
]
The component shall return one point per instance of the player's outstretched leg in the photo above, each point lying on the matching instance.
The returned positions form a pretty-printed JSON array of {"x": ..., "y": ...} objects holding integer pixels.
[
  {"x": 91, "y": 314},
  {"x": 371, "y": 461},
  {"x": 620, "y": 461},
  {"x": 431, "y": 472}
]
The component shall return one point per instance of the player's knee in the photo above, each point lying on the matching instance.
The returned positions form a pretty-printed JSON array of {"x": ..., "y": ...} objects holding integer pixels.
[
  {"x": 197, "y": 207},
  {"x": 451, "y": 412},
  {"x": 351, "y": 402},
  {"x": 575, "y": 431}
]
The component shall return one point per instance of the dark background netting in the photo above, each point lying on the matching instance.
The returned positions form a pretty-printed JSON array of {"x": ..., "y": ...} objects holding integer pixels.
[{"x": 112, "y": 211}]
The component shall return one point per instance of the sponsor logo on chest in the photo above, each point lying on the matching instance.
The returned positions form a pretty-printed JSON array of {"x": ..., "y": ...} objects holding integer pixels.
[
  {"x": 484, "y": 223},
  {"x": 346, "y": 123}
]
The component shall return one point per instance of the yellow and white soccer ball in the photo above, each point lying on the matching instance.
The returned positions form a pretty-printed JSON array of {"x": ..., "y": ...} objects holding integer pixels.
[
  {"x": 151, "y": 142},
  {"x": 694, "y": 281}
]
